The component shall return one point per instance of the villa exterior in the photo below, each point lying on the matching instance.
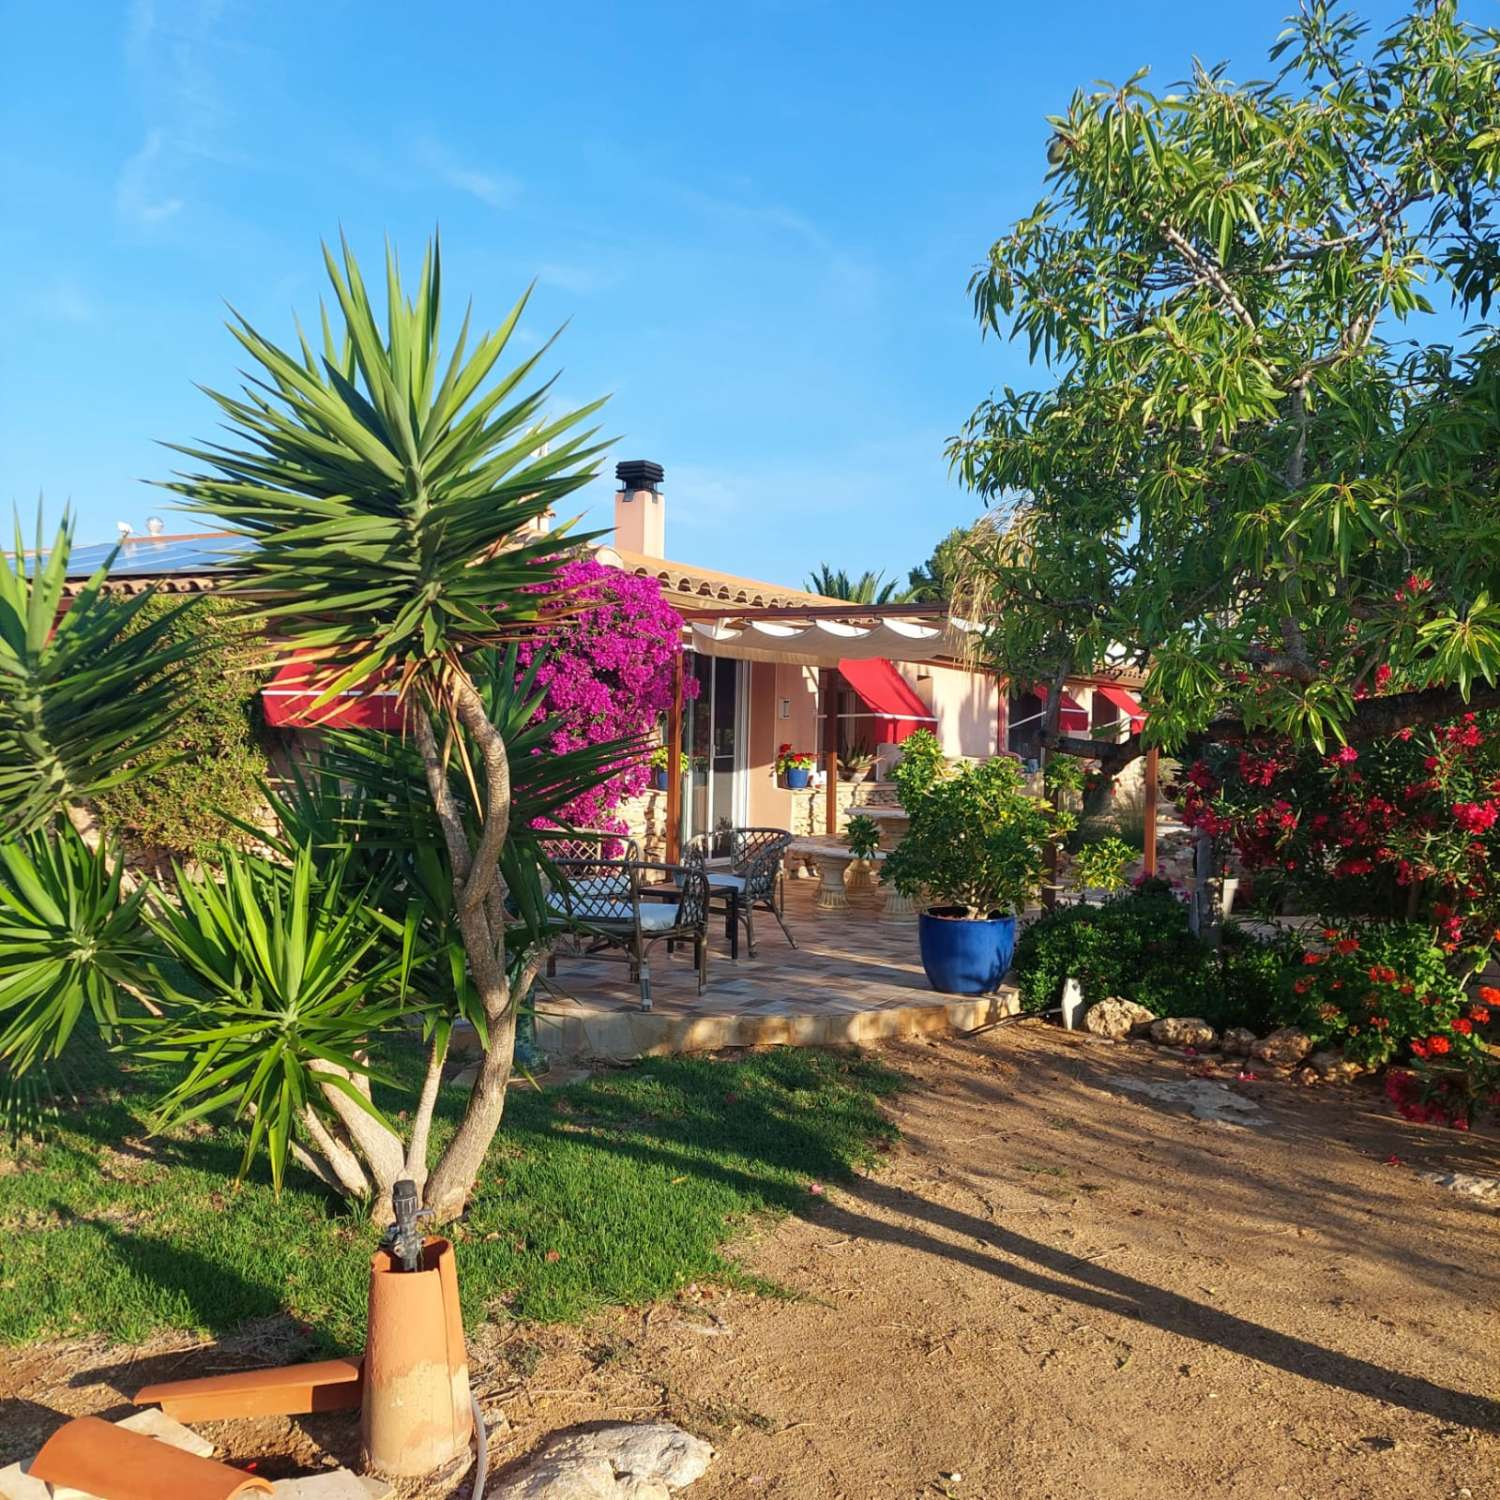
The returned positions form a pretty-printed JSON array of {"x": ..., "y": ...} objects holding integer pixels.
[
  {"x": 778, "y": 665},
  {"x": 775, "y": 666}
]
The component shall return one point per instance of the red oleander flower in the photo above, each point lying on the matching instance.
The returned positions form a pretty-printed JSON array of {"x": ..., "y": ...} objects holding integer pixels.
[
  {"x": 1462, "y": 1027},
  {"x": 1438, "y": 1045},
  {"x": 1480, "y": 1013},
  {"x": 1347, "y": 945},
  {"x": 1312, "y": 958}
]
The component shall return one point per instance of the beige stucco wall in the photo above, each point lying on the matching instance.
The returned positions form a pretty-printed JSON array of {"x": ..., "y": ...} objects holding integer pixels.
[
  {"x": 770, "y": 805},
  {"x": 966, "y": 704}
]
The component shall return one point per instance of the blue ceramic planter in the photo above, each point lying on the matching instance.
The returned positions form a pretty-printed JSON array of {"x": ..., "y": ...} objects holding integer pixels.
[
  {"x": 797, "y": 779},
  {"x": 659, "y": 780},
  {"x": 963, "y": 956}
]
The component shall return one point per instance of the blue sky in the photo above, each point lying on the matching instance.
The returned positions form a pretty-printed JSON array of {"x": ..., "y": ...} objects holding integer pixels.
[{"x": 759, "y": 218}]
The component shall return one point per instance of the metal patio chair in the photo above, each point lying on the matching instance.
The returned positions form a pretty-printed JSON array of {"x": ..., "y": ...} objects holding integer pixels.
[
  {"x": 627, "y": 906},
  {"x": 750, "y": 880}
]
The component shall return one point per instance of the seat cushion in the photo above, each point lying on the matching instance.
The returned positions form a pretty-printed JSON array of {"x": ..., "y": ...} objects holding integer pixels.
[
  {"x": 722, "y": 880},
  {"x": 656, "y": 916}
]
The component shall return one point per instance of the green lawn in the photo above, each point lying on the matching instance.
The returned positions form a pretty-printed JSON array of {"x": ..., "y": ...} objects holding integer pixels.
[{"x": 618, "y": 1190}]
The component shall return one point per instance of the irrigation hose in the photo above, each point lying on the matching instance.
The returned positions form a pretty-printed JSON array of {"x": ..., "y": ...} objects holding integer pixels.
[{"x": 481, "y": 1450}]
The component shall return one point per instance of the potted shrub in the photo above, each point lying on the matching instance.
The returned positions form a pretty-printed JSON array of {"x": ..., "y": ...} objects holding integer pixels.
[
  {"x": 974, "y": 852},
  {"x": 659, "y": 768},
  {"x": 795, "y": 767},
  {"x": 855, "y": 763},
  {"x": 862, "y": 835}
]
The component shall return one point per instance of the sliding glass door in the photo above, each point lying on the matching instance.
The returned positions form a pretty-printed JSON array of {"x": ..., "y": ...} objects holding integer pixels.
[{"x": 714, "y": 734}]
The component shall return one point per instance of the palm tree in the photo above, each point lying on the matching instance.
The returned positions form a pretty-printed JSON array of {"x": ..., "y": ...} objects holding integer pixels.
[{"x": 868, "y": 588}]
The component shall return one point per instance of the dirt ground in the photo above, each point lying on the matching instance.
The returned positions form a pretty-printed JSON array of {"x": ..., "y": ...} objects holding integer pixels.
[{"x": 1053, "y": 1287}]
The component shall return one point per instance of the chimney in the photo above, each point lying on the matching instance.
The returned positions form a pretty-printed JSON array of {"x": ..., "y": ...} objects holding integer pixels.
[{"x": 640, "y": 510}]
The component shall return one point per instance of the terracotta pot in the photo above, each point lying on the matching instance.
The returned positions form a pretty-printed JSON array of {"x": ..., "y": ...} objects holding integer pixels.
[
  {"x": 101, "y": 1459},
  {"x": 415, "y": 1416}
]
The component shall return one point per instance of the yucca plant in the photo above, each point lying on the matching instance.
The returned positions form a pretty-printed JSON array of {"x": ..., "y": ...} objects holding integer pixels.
[
  {"x": 389, "y": 496},
  {"x": 82, "y": 695},
  {"x": 87, "y": 685},
  {"x": 279, "y": 977},
  {"x": 70, "y": 940}
]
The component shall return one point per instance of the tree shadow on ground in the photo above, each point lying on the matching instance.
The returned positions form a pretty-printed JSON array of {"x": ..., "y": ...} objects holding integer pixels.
[{"x": 982, "y": 1245}]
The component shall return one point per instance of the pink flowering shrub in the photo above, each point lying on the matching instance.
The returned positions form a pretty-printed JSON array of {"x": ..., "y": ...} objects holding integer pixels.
[{"x": 607, "y": 671}]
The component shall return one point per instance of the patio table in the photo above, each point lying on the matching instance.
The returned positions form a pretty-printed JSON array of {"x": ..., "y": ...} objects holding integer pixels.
[{"x": 831, "y": 858}]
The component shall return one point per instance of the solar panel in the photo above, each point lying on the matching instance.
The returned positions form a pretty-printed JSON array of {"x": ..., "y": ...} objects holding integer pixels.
[{"x": 150, "y": 556}]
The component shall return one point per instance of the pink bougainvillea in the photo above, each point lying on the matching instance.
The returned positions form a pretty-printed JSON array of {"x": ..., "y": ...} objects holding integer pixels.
[{"x": 607, "y": 671}]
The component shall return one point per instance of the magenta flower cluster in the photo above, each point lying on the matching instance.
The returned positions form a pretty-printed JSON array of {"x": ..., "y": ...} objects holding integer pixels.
[{"x": 607, "y": 671}]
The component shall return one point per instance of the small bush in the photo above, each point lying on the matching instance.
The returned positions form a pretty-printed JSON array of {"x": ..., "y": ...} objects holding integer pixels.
[
  {"x": 1382, "y": 991},
  {"x": 1139, "y": 947},
  {"x": 211, "y": 766}
]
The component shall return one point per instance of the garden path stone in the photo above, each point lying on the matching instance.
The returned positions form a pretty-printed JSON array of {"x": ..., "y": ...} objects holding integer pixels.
[
  {"x": 621, "y": 1461},
  {"x": 1331, "y": 1064},
  {"x": 151, "y": 1421},
  {"x": 334, "y": 1484},
  {"x": 1284, "y": 1048},
  {"x": 1204, "y": 1100},
  {"x": 567, "y": 1479},
  {"x": 1237, "y": 1041},
  {"x": 17, "y": 1484},
  {"x": 1117, "y": 1018},
  {"x": 1183, "y": 1031},
  {"x": 1486, "y": 1189}
]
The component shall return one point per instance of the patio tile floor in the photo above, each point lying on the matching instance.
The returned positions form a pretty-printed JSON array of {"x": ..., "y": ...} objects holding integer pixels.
[{"x": 851, "y": 978}]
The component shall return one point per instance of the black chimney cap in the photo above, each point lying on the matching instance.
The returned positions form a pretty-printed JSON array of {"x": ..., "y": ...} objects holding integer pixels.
[{"x": 639, "y": 474}]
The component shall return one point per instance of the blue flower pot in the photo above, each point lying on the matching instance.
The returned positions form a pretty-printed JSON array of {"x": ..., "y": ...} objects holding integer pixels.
[
  {"x": 962, "y": 955},
  {"x": 659, "y": 780},
  {"x": 797, "y": 779}
]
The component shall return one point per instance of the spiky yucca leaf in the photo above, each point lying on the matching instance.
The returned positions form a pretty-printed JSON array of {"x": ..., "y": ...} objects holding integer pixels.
[
  {"x": 389, "y": 494},
  {"x": 69, "y": 938},
  {"x": 276, "y": 969},
  {"x": 83, "y": 692}
]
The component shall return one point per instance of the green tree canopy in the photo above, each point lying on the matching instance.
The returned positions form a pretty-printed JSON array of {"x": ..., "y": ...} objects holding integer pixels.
[
  {"x": 1265, "y": 466},
  {"x": 940, "y": 580}
]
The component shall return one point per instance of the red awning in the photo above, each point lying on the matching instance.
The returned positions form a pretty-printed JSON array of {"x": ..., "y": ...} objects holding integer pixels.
[
  {"x": 1072, "y": 717},
  {"x": 1126, "y": 703},
  {"x": 888, "y": 696},
  {"x": 289, "y": 696}
]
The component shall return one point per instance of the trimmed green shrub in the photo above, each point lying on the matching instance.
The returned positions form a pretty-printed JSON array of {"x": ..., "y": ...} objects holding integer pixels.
[
  {"x": 210, "y": 768},
  {"x": 1138, "y": 946}
]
